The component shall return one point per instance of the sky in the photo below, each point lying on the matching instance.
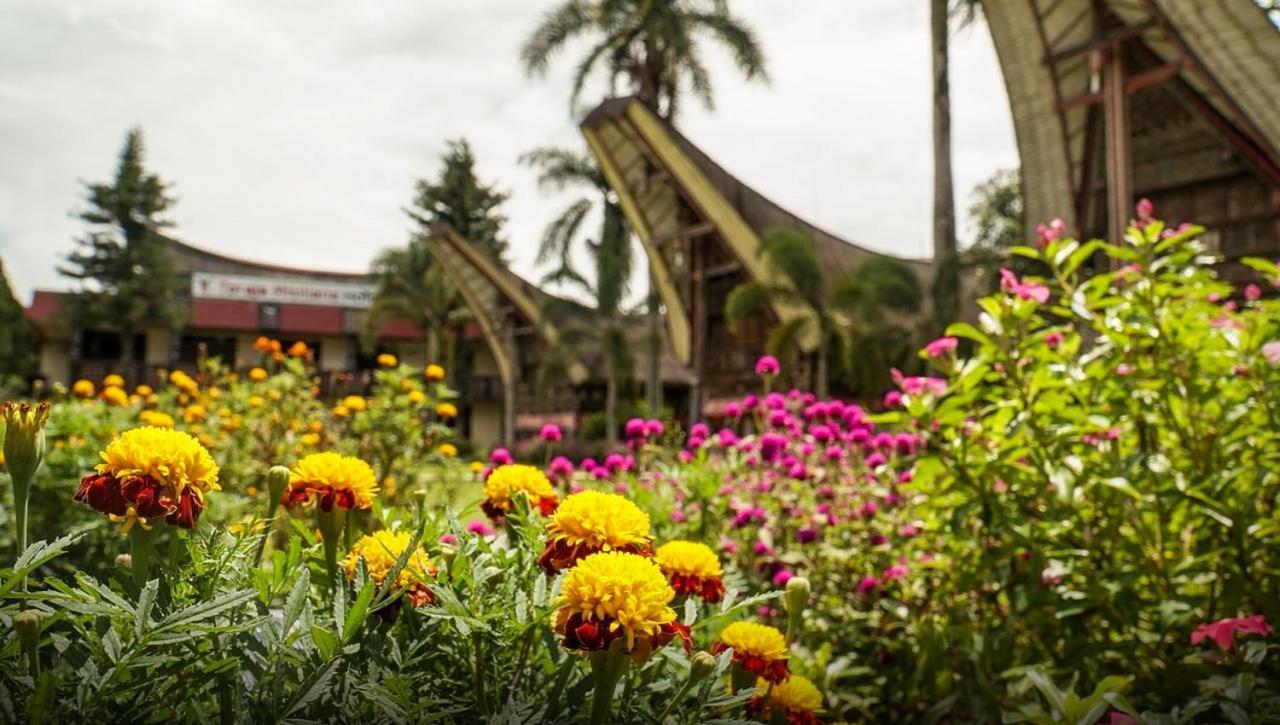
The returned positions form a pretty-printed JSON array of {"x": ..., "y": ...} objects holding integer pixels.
[{"x": 292, "y": 131}]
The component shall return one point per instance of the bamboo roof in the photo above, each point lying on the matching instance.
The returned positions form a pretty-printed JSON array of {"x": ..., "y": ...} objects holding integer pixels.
[{"x": 1222, "y": 58}]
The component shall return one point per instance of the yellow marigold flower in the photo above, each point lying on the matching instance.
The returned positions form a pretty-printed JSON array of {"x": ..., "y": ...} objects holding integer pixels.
[
  {"x": 115, "y": 395},
  {"x": 274, "y": 395},
  {"x": 380, "y": 551},
  {"x": 448, "y": 450},
  {"x": 83, "y": 388},
  {"x": 257, "y": 375},
  {"x": 757, "y": 648},
  {"x": 447, "y": 410},
  {"x": 315, "y": 426},
  {"x": 476, "y": 466},
  {"x": 693, "y": 568},
  {"x": 507, "y": 481},
  {"x": 797, "y": 698},
  {"x": 144, "y": 390},
  {"x": 354, "y": 403},
  {"x": 215, "y": 393},
  {"x": 193, "y": 413},
  {"x": 184, "y": 382},
  {"x": 615, "y": 595},
  {"x": 156, "y": 418},
  {"x": 387, "y": 360},
  {"x": 257, "y": 401},
  {"x": 251, "y": 491},
  {"x": 591, "y": 521},
  {"x": 113, "y": 381},
  {"x": 332, "y": 478},
  {"x": 417, "y": 397},
  {"x": 149, "y": 473},
  {"x": 341, "y": 411},
  {"x": 309, "y": 439},
  {"x": 434, "y": 373}
]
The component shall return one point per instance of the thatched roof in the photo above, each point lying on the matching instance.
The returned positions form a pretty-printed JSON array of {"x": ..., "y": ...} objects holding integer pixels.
[
  {"x": 668, "y": 187},
  {"x": 1222, "y": 58}
]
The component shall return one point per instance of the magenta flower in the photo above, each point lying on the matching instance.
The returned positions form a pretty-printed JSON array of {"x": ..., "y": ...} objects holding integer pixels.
[
  {"x": 1224, "y": 630},
  {"x": 1252, "y": 292},
  {"x": 941, "y": 346},
  {"x": 897, "y": 571},
  {"x": 653, "y": 428},
  {"x": 560, "y": 467},
  {"x": 783, "y": 576},
  {"x": 480, "y": 528},
  {"x": 1051, "y": 231},
  {"x": 867, "y": 585},
  {"x": 1053, "y": 339},
  {"x": 501, "y": 457},
  {"x": 550, "y": 433},
  {"x": 634, "y": 428},
  {"x": 732, "y": 410},
  {"x": 448, "y": 538},
  {"x": 918, "y": 385},
  {"x": 1145, "y": 209},
  {"x": 768, "y": 365},
  {"x": 1023, "y": 289}
]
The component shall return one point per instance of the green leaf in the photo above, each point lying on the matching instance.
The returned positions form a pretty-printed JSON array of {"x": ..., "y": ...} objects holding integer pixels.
[
  {"x": 205, "y": 610},
  {"x": 296, "y": 600},
  {"x": 145, "y": 601},
  {"x": 325, "y": 640},
  {"x": 359, "y": 608},
  {"x": 319, "y": 683}
]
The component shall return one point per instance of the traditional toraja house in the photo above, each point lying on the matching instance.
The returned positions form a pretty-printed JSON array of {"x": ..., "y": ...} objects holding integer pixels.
[
  {"x": 700, "y": 228},
  {"x": 1174, "y": 100}
]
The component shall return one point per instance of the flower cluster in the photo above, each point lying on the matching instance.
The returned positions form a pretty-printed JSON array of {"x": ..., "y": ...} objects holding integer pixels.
[
  {"x": 590, "y": 522},
  {"x": 331, "y": 480},
  {"x": 757, "y": 648},
  {"x": 617, "y": 595},
  {"x": 380, "y": 552},
  {"x": 508, "y": 481},
  {"x": 693, "y": 569}
]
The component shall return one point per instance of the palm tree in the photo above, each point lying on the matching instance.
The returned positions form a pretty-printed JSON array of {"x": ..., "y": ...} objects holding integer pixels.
[
  {"x": 560, "y": 169},
  {"x": 852, "y": 309},
  {"x": 651, "y": 45},
  {"x": 410, "y": 285},
  {"x": 876, "y": 300}
]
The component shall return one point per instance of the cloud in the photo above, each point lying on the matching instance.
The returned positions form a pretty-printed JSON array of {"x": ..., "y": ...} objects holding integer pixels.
[{"x": 293, "y": 131}]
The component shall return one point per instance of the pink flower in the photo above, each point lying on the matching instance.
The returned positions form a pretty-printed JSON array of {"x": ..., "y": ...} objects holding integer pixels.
[
  {"x": 1124, "y": 369},
  {"x": 1223, "y": 630},
  {"x": 1025, "y": 290},
  {"x": 941, "y": 346},
  {"x": 1271, "y": 351},
  {"x": 732, "y": 410},
  {"x": 1053, "y": 339},
  {"x": 892, "y": 399},
  {"x": 768, "y": 365},
  {"x": 448, "y": 538},
  {"x": 480, "y": 528},
  {"x": 897, "y": 571},
  {"x": 782, "y": 577},
  {"x": 550, "y": 433},
  {"x": 917, "y": 385},
  {"x": 501, "y": 457},
  {"x": 1252, "y": 292},
  {"x": 1051, "y": 231},
  {"x": 1145, "y": 209},
  {"x": 635, "y": 428},
  {"x": 867, "y": 585}
]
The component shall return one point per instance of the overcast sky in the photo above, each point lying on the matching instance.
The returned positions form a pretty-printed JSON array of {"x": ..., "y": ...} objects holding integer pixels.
[{"x": 293, "y": 130}]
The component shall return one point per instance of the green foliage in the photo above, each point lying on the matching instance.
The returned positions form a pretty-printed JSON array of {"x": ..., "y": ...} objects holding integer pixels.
[
  {"x": 410, "y": 286},
  {"x": 123, "y": 263},
  {"x": 999, "y": 225},
  {"x": 459, "y": 199},
  {"x": 17, "y": 348},
  {"x": 654, "y": 48}
]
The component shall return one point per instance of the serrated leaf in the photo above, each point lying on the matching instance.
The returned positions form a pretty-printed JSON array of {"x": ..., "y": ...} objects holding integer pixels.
[
  {"x": 356, "y": 614},
  {"x": 146, "y": 599},
  {"x": 294, "y": 603}
]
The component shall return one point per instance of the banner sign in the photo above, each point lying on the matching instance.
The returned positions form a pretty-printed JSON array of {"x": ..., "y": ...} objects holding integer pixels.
[{"x": 280, "y": 290}]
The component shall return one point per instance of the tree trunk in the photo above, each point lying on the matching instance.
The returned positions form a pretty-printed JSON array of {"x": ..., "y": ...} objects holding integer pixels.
[
  {"x": 820, "y": 369},
  {"x": 653, "y": 378},
  {"x": 434, "y": 333},
  {"x": 946, "y": 280},
  {"x": 610, "y": 403}
]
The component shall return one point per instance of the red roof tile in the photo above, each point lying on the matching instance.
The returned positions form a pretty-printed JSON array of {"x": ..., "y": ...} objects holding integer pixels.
[
  {"x": 224, "y": 315},
  {"x": 312, "y": 319},
  {"x": 399, "y": 330}
]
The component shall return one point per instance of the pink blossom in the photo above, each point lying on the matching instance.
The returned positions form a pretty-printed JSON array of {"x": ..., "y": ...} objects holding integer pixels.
[
  {"x": 892, "y": 399},
  {"x": 550, "y": 433},
  {"x": 1271, "y": 351},
  {"x": 1145, "y": 209},
  {"x": 918, "y": 385},
  {"x": 867, "y": 585},
  {"x": 448, "y": 538},
  {"x": 1053, "y": 339},
  {"x": 1023, "y": 289},
  {"x": 1124, "y": 369},
  {"x": 897, "y": 571},
  {"x": 941, "y": 346},
  {"x": 634, "y": 428},
  {"x": 480, "y": 528},
  {"x": 1051, "y": 231},
  {"x": 1252, "y": 292},
  {"x": 732, "y": 410},
  {"x": 560, "y": 467},
  {"x": 1223, "y": 630},
  {"x": 783, "y": 576},
  {"x": 678, "y": 516},
  {"x": 768, "y": 365},
  {"x": 501, "y": 457},
  {"x": 653, "y": 428}
]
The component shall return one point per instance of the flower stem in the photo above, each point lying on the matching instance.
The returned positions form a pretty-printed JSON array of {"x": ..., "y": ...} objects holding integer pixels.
[
  {"x": 607, "y": 668},
  {"x": 331, "y": 524},
  {"x": 21, "y": 495},
  {"x": 141, "y": 550}
]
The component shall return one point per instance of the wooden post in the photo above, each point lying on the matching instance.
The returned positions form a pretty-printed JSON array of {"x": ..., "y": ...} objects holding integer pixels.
[
  {"x": 698, "y": 270},
  {"x": 509, "y": 387},
  {"x": 1119, "y": 168}
]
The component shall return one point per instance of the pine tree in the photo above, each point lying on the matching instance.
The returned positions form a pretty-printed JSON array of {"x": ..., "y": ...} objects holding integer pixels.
[
  {"x": 458, "y": 198},
  {"x": 126, "y": 276},
  {"x": 17, "y": 353}
]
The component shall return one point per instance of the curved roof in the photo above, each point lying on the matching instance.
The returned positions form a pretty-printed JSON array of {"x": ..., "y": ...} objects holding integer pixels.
[
  {"x": 669, "y": 189},
  {"x": 1220, "y": 59},
  {"x": 189, "y": 256}
]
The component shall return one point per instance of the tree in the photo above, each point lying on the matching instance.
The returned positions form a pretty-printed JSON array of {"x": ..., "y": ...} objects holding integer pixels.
[
  {"x": 653, "y": 46},
  {"x": 126, "y": 276},
  {"x": 17, "y": 353},
  {"x": 458, "y": 198},
  {"x": 998, "y": 219},
  {"x": 844, "y": 312},
  {"x": 946, "y": 261},
  {"x": 878, "y": 299},
  {"x": 411, "y": 286},
  {"x": 611, "y": 254}
]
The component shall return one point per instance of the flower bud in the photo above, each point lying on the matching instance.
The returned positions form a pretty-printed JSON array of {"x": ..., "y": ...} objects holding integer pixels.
[
  {"x": 27, "y": 624},
  {"x": 797, "y": 595},
  {"x": 701, "y": 665},
  {"x": 24, "y": 441},
  {"x": 124, "y": 561},
  {"x": 277, "y": 482}
]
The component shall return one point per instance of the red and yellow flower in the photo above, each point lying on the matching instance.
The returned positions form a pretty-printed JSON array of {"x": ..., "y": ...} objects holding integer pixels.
[
  {"x": 380, "y": 551},
  {"x": 617, "y": 596},
  {"x": 591, "y": 521},
  {"x": 151, "y": 473},
  {"x": 757, "y": 648},
  {"x": 331, "y": 480},
  {"x": 693, "y": 569},
  {"x": 797, "y": 699},
  {"x": 507, "y": 482}
]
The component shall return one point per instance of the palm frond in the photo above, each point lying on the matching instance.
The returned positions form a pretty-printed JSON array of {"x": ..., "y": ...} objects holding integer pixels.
[
  {"x": 738, "y": 39},
  {"x": 557, "y": 238},
  {"x": 559, "y": 168},
  {"x": 745, "y": 300},
  {"x": 785, "y": 337},
  {"x": 792, "y": 253},
  {"x": 556, "y": 29}
]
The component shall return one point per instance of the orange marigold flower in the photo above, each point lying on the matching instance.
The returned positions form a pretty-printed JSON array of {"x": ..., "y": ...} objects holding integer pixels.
[
  {"x": 380, "y": 551},
  {"x": 757, "y": 648},
  {"x": 149, "y": 473},
  {"x": 144, "y": 390},
  {"x": 115, "y": 395},
  {"x": 83, "y": 389},
  {"x": 616, "y": 595},
  {"x": 506, "y": 482},
  {"x": 447, "y": 411},
  {"x": 156, "y": 418},
  {"x": 332, "y": 480},
  {"x": 387, "y": 360},
  {"x": 416, "y": 397},
  {"x": 434, "y": 373},
  {"x": 693, "y": 569},
  {"x": 257, "y": 375},
  {"x": 267, "y": 346},
  {"x": 591, "y": 521},
  {"x": 797, "y": 699},
  {"x": 113, "y": 381},
  {"x": 354, "y": 403},
  {"x": 299, "y": 349}
]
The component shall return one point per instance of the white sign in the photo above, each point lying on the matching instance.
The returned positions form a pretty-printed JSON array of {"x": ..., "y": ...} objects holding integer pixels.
[{"x": 282, "y": 290}]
